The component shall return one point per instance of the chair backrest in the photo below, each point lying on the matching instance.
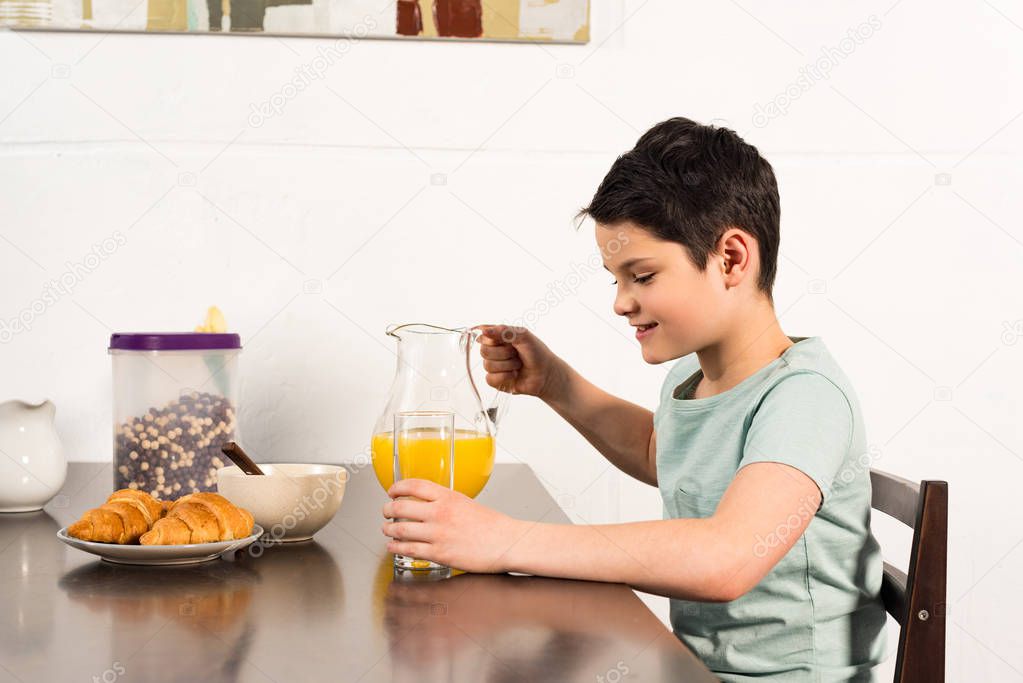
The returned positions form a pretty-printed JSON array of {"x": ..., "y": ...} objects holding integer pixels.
[{"x": 917, "y": 600}]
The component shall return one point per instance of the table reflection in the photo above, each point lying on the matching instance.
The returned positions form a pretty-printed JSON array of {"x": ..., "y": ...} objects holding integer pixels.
[
  {"x": 299, "y": 578},
  {"x": 522, "y": 628},
  {"x": 28, "y": 614},
  {"x": 194, "y": 615},
  {"x": 203, "y": 617}
]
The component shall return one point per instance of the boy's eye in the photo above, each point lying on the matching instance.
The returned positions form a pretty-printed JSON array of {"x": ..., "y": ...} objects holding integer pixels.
[{"x": 639, "y": 279}]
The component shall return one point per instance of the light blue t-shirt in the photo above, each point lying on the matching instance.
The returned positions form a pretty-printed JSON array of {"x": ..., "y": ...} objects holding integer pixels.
[{"x": 817, "y": 615}]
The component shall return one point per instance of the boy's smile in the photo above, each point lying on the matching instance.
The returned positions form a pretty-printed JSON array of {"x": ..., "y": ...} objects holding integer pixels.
[{"x": 668, "y": 301}]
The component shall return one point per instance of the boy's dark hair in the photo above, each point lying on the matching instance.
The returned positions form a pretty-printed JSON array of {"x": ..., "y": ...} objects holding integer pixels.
[{"x": 687, "y": 183}]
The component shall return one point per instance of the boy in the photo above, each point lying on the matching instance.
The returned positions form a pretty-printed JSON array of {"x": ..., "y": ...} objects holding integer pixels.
[{"x": 765, "y": 547}]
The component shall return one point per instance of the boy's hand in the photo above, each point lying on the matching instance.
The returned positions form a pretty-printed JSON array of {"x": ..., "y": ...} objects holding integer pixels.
[
  {"x": 447, "y": 527},
  {"x": 516, "y": 361}
]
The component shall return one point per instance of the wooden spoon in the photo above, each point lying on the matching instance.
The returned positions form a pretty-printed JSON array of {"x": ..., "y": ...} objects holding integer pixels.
[{"x": 240, "y": 458}]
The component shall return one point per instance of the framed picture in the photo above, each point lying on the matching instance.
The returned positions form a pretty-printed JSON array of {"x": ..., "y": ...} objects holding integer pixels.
[{"x": 557, "y": 21}]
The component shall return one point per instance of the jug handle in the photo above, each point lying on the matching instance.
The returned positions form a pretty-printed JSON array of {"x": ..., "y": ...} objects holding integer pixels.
[{"x": 497, "y": 409}]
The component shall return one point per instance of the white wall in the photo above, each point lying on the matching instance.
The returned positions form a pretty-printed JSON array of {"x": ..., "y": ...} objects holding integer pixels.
[{"x": 910, "y": 276}]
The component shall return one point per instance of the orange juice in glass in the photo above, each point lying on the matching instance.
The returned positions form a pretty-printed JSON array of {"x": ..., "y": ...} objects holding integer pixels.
[{"x": 423, "y": 447}]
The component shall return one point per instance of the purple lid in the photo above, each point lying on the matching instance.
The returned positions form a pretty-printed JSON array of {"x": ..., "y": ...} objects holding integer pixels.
[{"x": 173, "y": 341}]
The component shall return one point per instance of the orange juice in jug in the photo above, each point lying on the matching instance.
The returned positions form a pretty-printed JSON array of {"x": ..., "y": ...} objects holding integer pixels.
[{"x": 425, "y": 456}]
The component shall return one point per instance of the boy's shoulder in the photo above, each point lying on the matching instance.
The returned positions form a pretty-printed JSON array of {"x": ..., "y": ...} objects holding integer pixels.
[
  {"x": 809, "y": 374},
  {"x": 810, "y": 355},
  {"x": 807, "y": 355}
]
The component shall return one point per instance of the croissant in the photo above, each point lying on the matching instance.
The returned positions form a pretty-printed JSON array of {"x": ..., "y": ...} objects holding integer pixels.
[
  {"x": 125, "y": 516},
  {"x": 200, "y": 518}
]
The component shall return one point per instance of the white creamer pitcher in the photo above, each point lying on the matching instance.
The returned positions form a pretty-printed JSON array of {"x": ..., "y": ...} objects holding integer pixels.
[{"x": 32, "y": 464}]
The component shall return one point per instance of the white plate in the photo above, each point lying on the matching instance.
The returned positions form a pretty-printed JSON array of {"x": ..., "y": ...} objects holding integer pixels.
[{"x": 189, "y": 553}]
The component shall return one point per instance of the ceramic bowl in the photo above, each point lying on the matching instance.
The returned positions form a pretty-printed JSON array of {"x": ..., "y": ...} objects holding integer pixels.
[{"x": 290, "y": 501}]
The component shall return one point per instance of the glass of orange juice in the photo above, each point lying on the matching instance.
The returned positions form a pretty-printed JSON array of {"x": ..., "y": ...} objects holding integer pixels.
[{"x": 424, "y": 448}]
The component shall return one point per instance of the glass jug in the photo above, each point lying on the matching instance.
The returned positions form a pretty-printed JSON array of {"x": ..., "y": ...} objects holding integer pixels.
[{"x": 435, "y": 373}]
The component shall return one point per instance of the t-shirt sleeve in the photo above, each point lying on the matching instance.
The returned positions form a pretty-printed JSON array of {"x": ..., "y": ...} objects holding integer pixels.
[{"x": 806, "y": 422}]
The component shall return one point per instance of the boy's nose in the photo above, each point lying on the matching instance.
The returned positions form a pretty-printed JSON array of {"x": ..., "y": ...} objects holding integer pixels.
[{"x": 624, "y": 304}]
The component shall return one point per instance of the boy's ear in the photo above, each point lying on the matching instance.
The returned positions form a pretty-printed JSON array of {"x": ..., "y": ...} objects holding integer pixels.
[{"x": 736, "y": 256}]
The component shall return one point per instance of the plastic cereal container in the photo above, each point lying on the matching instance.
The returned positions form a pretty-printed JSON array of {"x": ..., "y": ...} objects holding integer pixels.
[{"x": 175, "y": 405}]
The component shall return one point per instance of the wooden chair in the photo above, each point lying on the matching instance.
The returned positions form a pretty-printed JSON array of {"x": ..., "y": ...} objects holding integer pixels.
[{"x": 917, "y": 601}]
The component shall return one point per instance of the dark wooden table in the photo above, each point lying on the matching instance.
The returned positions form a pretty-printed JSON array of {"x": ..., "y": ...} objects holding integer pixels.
[{"x": 328, "y": 609}]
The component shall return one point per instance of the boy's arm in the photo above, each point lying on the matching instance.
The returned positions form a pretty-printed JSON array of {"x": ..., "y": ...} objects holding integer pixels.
[
  {"x": 623, "y": 432},
  {"x": 763, "y": 512}
]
